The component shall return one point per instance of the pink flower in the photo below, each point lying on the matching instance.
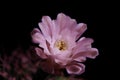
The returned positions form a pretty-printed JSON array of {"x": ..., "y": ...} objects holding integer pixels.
[{"x": 60, "y": 44}]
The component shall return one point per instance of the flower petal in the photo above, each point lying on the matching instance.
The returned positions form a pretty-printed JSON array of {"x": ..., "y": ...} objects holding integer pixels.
[
  {"x": 80, "y": 59},
  {"x": 82, "y": 45},
  {"x": 64, "y": 21},
  {"x": 69, "y": 27},
  {"x": 37, "y": 37},
  {"x": 80, "y": 28},
  {"x": 62, "y": 60},
  {"x": 75, "y": 68},
  {"x": 47, "y": 27},
  {"x": 40, "y": 53},
  {"x": 50, "y": 26},
  {"x": 84, "y": 49},
  {"x": 61, "y": 21},
  {"x": 90, "y": 53},
  {"x": 54, "y": 30}
]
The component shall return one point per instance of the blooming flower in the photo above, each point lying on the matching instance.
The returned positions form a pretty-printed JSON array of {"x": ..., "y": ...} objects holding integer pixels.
[{"x": 60, "y": 46}]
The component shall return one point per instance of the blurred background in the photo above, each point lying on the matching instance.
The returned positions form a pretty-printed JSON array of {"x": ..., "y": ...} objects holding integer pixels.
[{"x": 18, "y": 19}]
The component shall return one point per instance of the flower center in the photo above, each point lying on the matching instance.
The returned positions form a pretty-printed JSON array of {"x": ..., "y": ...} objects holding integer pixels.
[{"x": 61, "y": 45}]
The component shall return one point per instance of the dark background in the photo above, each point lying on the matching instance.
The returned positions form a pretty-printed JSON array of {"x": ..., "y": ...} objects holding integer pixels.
[{"x": 19, "y": 18}]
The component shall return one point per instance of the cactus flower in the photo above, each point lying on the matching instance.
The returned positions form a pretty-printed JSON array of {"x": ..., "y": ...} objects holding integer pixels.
[{"x": 61, "y": 45}]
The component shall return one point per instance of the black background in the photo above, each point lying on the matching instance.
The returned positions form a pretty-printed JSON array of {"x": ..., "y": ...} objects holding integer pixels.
[{"x": 17, "y": 20}]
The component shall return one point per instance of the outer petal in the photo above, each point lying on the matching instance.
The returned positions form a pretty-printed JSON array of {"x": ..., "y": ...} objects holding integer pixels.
[
  {"x": 65, "y": 22},
  {"x": 40, "y": 53},
  {"x": 55, "y": 30},
  {"x": 45, "y": 31},
  {"x": 82, "y": 45},
  {"x": 75, "y": 68},
  {"x": 79, "y": 58},
  {"x": 70, "y": 26},
  {"x": 69, "y": 40},
  {"x": 83, "y": 50},
  {"x": 80, "y": 28},
  {"x": 47, "y": 27},
  {"x": 37, "y": 37},
  {"x": 90, "y": 53},
  {"x": 61, "y": 21},
  {"x": 61, "y": 59}
]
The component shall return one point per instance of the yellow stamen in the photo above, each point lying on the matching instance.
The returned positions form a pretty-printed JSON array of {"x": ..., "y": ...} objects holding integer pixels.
[{"x": 61, "y": 45}]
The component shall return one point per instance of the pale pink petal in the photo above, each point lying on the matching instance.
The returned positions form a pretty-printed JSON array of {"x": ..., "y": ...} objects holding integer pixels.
[
  {"x": 46, "y": 20},
  {"x": 65, "y": 22},
  {"x": 61, "y": 59},
  {"x": 80, "y": 28},
  {"x": 69, "y": 27},
  {"x": 51, "y": 26},
  {"x": 45, "y": 31},
  {"x": 65, "y": 25},
  {"x": 75, "y": 68},
  {"x": 72, "y": 24},
  {"x": 90, "y": 53},
  {"x": 40, "y": 53},
  {"x": 37, "y": 37},
  {"x": 82, "y": 45},
  {"x": 80, "y": 58},
  {"x": 83, "y": 50},
  {"x": 69, "y": 40},
  {"x": 47, "y": 27},
  {"x": 61, "y": 21},
  {"x": 55, "y": 30}
]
